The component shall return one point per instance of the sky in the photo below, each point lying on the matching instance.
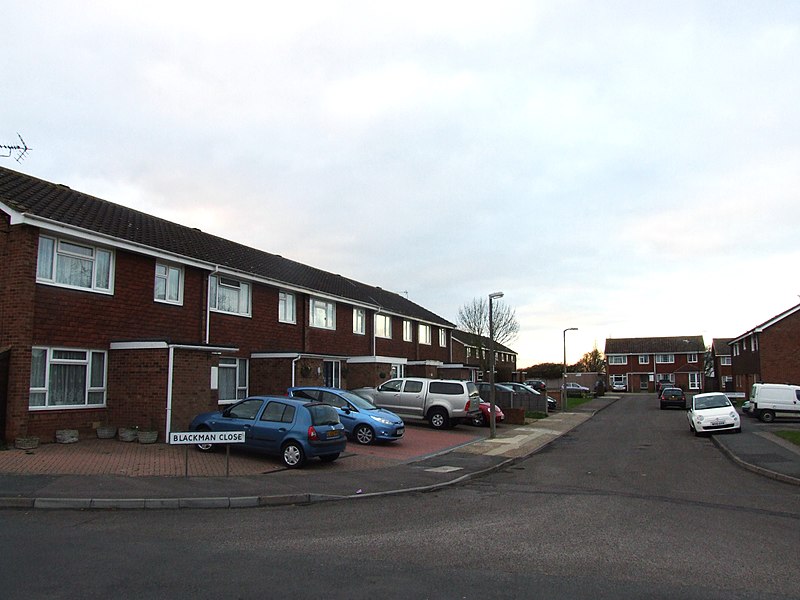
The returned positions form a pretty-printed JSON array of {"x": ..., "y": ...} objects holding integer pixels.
[{"x": 628, "y": 168}]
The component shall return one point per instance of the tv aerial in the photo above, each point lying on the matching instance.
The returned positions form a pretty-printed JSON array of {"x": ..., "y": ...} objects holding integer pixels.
[{"x": 19, "y": 151}]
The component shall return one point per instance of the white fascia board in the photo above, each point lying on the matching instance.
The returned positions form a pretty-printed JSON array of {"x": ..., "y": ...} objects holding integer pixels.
[
  {"x": 294, "y": 355},
  {"x": 354, "y": 360},
  {"x": 160, "y": 345},
  {"x": 427, "y": 363}
]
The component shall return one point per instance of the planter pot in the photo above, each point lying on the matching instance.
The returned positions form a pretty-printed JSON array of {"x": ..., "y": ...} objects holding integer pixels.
[
  {"x": 147, "y": 437},
  {"x": 106, "y": 432},
  {"x": 127, "y": 434},
  {"x": 27, "y": 442},
  {"x": 515, "y": 416},
  {"x": 66, "y": 436}
]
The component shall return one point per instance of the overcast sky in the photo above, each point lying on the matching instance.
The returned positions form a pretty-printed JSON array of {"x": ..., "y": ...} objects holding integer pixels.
[{"x": 629, "y": 168}]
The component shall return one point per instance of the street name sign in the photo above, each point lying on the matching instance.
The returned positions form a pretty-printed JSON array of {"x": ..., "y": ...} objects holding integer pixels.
[{"x": 206, "y": 437}]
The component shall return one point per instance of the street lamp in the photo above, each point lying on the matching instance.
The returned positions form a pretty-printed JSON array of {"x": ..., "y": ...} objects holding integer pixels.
[
  {"x": 564, "y": 383},
  {"x": 492, "y": 424}
]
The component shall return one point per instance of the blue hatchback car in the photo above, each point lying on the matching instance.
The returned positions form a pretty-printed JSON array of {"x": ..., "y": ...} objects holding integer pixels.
[
  {"x": 362, "y": 420},
  {"x": 291, "y": 428}
]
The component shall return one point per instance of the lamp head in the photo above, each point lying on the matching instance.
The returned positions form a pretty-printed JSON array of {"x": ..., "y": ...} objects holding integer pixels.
[{"x": 495, "y": 295}]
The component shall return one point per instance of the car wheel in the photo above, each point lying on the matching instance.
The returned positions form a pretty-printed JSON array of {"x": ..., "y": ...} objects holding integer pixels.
[
  {"x": 439, "y": 419},
  {"x": 364, "y": 434},
  {"x": 767, "y": 416},
  {"x": 479, "y": 420},
  {"x": 329, "y": 457},
  {"x": 293, "y": 455}
]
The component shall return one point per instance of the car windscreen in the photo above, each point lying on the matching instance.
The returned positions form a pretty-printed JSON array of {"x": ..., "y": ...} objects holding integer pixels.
[
  {"x": 323, "y": 414},
  {"x": 718, "y": 401},
  {"x": 359, "y": 402}
]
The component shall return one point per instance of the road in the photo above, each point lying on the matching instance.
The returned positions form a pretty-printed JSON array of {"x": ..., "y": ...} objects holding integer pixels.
[{"x": 629, "y": 505}]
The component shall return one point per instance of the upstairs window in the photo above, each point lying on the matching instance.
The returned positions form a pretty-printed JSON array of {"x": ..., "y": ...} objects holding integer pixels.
[
  {"x": 169, "y": 284},
  {"x": 617, "y": 359},
  {"x": 408, "y": 332},
  {"x": 229, "y": 295},
  {"x": 443, "y": 338},
  {"x": 286, "y": 308},
  {"x": 69, "y": 264},
  {"x": 383, "y": 326},
  {"x": 725, "y": 361},
  {"x": 323, "y": 314},
  {"x": 692, "y": 357},
  {"x": 644, "y": 359},
  {"x": 359, "y": 321},
  {"x": 424, "y": 332},
  {"x": 665, "y": 358}
]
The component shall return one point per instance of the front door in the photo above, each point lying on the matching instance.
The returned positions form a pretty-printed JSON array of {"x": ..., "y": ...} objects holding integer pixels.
[{"x": 332, "y": 373}]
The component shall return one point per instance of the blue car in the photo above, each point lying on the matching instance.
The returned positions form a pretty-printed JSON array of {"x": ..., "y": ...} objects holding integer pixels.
[
  {"x": 291, "y": 428},
  {"x": 363, "y": 421}
]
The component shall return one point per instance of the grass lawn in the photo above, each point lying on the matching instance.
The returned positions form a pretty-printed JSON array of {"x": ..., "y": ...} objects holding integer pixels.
[
  {"x": 792, "y": 436},
  {"x": 573, "y": 402}
]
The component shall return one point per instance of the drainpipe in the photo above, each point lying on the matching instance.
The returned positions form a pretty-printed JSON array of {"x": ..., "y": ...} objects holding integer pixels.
[
  {"x": 294, "y": 366},
  {"x": 170, "y": 376}
]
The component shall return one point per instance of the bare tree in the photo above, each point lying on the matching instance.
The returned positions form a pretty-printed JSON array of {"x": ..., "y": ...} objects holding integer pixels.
[{"x": 473, "y": 318}]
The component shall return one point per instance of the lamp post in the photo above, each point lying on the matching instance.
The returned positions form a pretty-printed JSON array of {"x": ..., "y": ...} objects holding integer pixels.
[
  {"x": 492, "y": 424},
  {"x": 564, "y": 382}
]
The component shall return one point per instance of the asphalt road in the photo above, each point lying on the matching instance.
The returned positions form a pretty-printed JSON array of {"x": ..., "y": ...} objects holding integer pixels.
[{"x": 629, "y": 505}]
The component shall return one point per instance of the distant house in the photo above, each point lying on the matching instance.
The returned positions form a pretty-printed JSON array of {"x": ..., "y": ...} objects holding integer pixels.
[
  {"x": 640, "y": 363},
  {"x": 111, "y": 315},
  {"x": 722, "y": 364},
  {"x": 768, "y": 353},
  {"x": 472, "y": 351}
]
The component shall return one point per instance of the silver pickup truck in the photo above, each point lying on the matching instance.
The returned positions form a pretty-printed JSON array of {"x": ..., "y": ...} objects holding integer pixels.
[{"x": 444, "y": 403}]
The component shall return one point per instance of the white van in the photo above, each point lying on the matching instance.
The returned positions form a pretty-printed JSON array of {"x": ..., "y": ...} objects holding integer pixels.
[{"x": 768, "y": 400}]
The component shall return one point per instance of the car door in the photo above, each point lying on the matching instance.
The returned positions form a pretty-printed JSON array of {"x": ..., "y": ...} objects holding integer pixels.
[
  {"x": 348, "y": 415},
  {"x": 412, "y": 398},
  {"x": 241, "y": 417},
  {"x": 273, "y": 425},
  {"x": 388, "y": 395}
]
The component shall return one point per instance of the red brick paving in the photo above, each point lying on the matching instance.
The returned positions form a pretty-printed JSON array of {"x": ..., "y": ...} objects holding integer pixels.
[{"x": 112, "y": 457}]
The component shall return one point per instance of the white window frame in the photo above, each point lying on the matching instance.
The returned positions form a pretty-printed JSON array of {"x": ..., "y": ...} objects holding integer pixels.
[
  {"x": 53, "y": 249},
  {"x": 408, "y": 331},
  {"x": 168, "y": 275},
  {"x": 644, "y": 359},
  {"x": 442, "y": 338},
  {"x": 694, "y": 381},
  {"x": 322, "y": 314},
  {"x": 217, "y": 282},
  {"x": 241, "y": 376},
  {"x": 617, "y": 359},
  {"x": 359, "y": 321},
  {"x": 383, "y": 326},
  {"x": 42, "y": 387},
  {"x": 665, "y": 359},
  {"x": 692, "y": 357},
  {"x": 424, "y": 333},
  {"x": 287, "y": 307},
  {"x": 725, "y": 361}
]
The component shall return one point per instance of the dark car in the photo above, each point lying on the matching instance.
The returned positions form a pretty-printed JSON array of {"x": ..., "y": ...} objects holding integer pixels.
[
  {"x": 363, "y": 421},
  {"x": 537, "y": 384},
  {"x": 672, "y": 396},
  {"x": 287, "y": 427}
]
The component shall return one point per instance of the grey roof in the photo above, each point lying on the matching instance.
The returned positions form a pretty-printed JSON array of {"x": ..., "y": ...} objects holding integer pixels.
[
  {"x": 55, "y": 202},
  {"x": 721, "y": 347},
  {"x": 656, "y": 345},
  {"x": 471, "y": 339}
]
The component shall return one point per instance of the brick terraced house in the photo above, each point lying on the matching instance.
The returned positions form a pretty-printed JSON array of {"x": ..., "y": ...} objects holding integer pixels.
[
  {"x": 723, "y": 370},
  {"x": 640, "y": 363},
  {"x": 112, "y": 316},
  {"x": 472, "y": 351},
  {"x": 768, "y": 353}
]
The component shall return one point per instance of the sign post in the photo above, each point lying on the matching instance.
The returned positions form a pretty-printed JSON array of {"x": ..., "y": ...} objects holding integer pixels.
[{"x": 189, "y": 438}]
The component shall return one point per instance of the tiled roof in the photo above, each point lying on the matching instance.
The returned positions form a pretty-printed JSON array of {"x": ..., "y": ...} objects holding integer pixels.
[
  {"x": 470, "y": 339},
  {"x": 38, "y": 198},
  {"x": 769, "y": 323},
  {"x": 656, "y": 345},
  {"x": 721, "y": 347}
]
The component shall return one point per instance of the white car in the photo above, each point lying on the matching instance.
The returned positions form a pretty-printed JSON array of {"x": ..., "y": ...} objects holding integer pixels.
[{"x": 709, "y": 413}]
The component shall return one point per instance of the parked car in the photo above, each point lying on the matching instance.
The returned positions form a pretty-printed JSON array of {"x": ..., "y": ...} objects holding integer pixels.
[
  {"x": 363, "y": 421},
  {"x": 672, "y": 396},
  {"x": 501, "y": 392},
  {"x": 482, "y": 418},
  {"x": 575, "y": 389},
  {"x": 526, "y": 390},
  {"x": 769, "y": 400},
  {"x": 291, "y": 428},
  {"x": 712, "y": 412},
  {"x": 444, "y": 403},
  {"x": 619, "y": 386},
  {"x": 663, "y": 383},
  {"x": 537, "y": 384}
]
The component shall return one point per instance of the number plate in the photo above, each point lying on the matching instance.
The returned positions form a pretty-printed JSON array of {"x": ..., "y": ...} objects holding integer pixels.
[{"x": 333, "y": 433}]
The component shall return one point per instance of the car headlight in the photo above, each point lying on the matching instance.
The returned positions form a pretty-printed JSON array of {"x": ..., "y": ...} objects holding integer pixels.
[
  {"x": 381, "y": 420},
  {"x": 699, "y": 418},
  {"x": 734, "y": 415}
]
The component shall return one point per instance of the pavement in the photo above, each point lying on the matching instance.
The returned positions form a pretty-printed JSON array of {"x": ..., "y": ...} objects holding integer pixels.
[{"x": 109, "y": 474}]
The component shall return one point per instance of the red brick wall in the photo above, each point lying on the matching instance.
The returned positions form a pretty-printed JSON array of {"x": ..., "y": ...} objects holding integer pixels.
[
  {"x": 191, "y": 387},
  {"x": 779, "y": 347}
]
